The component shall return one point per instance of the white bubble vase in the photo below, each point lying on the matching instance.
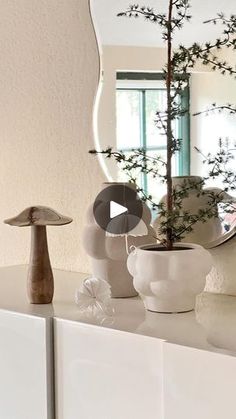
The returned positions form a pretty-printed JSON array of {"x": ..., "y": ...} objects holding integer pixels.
[
  {"x": 108, "y": 255},
  {"x": 210, "y": 233},
  {"x": 169, "y": 281}
]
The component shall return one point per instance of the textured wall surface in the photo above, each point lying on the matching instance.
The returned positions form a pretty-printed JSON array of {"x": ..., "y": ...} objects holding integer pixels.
[{"x": 48, "y": 80}]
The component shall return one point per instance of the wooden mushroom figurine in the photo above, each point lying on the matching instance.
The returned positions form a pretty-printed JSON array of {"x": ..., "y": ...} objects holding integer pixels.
[{"x": 40, "y": 284}]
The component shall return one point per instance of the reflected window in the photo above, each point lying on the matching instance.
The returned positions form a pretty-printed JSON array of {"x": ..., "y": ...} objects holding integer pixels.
[{"x": 138, "y": 97}]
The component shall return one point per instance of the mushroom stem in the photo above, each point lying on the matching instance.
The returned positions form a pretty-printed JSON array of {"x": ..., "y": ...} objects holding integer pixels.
[{"x": 40, "y": 277}]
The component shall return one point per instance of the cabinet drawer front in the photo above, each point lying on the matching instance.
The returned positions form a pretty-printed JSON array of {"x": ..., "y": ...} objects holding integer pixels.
[
  {"x": 198, "y": 384},
  {"x": 25, "y": 367},
  {"x": 106, "y": 374}
]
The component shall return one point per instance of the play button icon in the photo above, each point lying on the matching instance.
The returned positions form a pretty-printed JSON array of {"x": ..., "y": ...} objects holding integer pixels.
[{"x": 118, "y": 208}]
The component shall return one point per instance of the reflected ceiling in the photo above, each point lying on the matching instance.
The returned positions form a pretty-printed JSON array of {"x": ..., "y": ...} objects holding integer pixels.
[{"x": 137, "y": 32}]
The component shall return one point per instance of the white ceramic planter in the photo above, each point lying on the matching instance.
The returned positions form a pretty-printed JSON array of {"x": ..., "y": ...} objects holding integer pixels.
[{"x": 168, "y": 281}]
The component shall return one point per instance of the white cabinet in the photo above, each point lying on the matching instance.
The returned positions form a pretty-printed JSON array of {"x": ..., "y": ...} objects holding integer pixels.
[
  {"x": 110, "y": 374},
  {"x": 25, "y": 367},
  {"x": 106, "y": 374},
  {"x": 137, "y": 365},
  {"x": 198, "y": 384}
]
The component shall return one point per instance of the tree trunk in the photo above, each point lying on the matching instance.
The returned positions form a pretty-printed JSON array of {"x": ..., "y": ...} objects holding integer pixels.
[{"x": 169, "y": 238}]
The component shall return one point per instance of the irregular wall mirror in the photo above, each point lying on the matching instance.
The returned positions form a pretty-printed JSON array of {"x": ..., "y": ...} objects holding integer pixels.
[{"x": 133, "y": 56}]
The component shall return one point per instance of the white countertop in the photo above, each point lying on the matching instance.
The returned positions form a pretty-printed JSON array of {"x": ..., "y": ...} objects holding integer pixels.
[{"x": 212, "y": 327}]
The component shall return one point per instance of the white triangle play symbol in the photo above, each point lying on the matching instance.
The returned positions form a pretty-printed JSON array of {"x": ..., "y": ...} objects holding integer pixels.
[{"x": 116, "y": 209}]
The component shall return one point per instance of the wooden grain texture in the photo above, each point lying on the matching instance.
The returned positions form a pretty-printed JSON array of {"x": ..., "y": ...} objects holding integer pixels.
[{"x": 40, "y": 285}]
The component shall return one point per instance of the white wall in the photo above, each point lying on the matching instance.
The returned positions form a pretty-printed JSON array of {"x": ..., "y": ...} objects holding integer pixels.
[
  {"x": 207, "y": 88},
  {"x": 48, "y": 77}
]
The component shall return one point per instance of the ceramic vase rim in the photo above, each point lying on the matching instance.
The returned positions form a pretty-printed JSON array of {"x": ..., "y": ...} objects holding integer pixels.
[{"x": 186, "y": 247}]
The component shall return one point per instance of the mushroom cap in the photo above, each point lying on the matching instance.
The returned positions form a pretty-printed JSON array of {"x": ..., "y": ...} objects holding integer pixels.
[{"x": 38, "y": 216}]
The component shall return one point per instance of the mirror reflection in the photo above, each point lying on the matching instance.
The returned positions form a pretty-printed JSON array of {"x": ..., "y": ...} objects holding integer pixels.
[{"x": 133, "y": 56}]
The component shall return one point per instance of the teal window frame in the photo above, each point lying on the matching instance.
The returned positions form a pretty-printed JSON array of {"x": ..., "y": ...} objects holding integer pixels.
[{"x": 183, "y": 125}]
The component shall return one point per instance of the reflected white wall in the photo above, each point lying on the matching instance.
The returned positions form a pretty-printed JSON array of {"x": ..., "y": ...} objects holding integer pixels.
[{"x": 206, "y": 87}]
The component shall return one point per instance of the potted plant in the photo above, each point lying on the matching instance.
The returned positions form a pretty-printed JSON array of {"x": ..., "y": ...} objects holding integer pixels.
[{"x": 168, "y": 275}]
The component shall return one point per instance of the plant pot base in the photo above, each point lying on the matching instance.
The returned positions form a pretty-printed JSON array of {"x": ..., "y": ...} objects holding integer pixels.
[
  {"x": 156, "y": 305},
  {"x": 170, "y": 312},
  {"x": 124, "y": 296}
]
